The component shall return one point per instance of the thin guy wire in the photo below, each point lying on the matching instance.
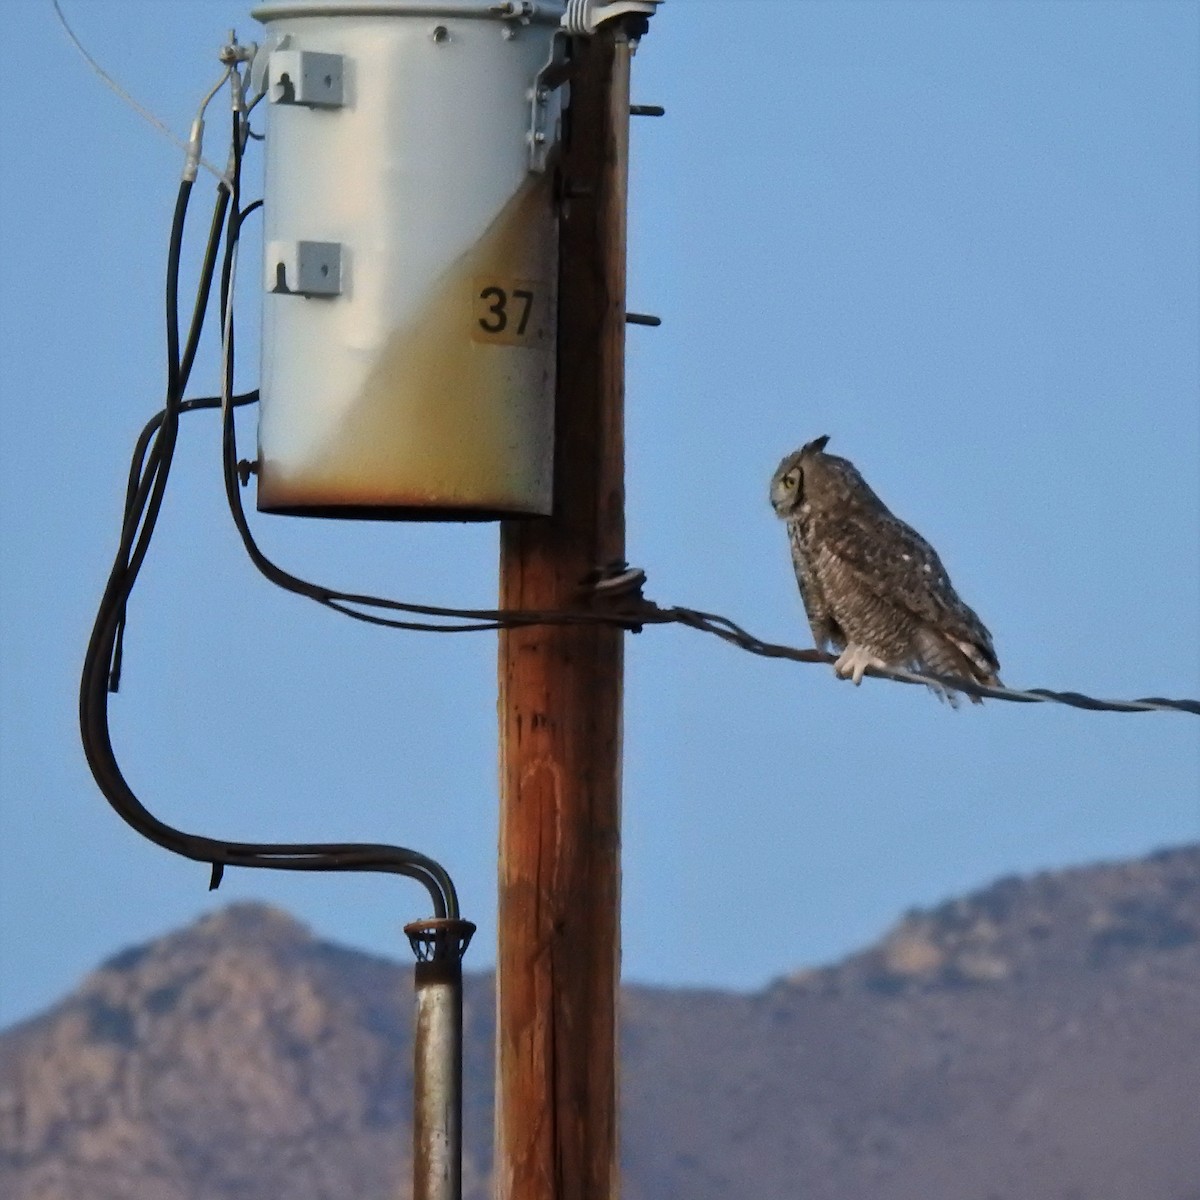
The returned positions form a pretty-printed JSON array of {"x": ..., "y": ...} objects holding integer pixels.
[{"x": 141, "y": 110}]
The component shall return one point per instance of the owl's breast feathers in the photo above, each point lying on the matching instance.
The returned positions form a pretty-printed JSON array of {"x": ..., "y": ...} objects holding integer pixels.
[{"x": 825, "y": 629}]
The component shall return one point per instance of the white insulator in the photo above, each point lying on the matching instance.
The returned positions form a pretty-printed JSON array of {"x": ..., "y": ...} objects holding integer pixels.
[
  {"x": 584, "y": 17},
  {"x": 577, "y": 19}
]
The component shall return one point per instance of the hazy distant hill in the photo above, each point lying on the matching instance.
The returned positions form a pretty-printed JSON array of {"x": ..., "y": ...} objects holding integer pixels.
[{"x": 1038, "y": 1040}]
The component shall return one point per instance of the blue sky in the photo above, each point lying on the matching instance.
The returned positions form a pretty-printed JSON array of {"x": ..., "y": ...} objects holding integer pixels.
[{"x": 961, "y": 238}]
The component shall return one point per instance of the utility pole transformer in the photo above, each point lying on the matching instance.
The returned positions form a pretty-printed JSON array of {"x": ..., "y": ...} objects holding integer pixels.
[{"x": 558, "y": 967}]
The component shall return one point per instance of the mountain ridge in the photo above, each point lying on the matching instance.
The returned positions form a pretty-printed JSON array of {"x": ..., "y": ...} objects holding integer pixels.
[{"x": 1038, "y": 1037}]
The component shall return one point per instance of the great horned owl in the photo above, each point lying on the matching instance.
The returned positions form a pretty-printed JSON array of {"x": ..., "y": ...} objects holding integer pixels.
[{"x": 873, "y": 588}]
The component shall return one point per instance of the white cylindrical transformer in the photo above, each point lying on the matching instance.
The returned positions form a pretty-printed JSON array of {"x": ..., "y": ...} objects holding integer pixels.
[{"x": 410, "y": 272}]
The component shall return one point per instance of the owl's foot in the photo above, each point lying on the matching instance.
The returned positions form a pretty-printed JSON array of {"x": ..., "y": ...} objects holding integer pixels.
[{"x": 853, "y": 661}]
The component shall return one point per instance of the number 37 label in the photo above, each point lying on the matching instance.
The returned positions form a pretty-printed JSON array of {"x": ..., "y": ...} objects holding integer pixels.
[{"x": 511, "y": 312}]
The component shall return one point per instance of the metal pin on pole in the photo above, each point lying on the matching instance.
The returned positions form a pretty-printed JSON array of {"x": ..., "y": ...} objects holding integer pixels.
[{"x": 439, "y": 945}]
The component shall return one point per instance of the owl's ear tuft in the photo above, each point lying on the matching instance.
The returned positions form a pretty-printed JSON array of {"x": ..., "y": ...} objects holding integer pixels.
[{"x": 815, "y": 446}]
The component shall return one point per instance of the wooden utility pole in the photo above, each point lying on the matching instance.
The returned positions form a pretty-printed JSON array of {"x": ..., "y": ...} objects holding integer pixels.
[{"x": 560, "y": 702}]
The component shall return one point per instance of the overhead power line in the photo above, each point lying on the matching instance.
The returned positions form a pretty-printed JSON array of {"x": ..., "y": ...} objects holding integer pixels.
[{"x": 613, "y": 597}]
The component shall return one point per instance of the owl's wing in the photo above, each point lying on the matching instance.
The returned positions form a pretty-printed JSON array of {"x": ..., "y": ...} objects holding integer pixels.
[
  {"x": 891, "y": 560},
  {"x": 825, "y": 629}
]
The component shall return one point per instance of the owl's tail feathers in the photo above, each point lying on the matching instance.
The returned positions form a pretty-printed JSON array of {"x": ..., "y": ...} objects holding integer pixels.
[{"x": 940, "y": 654}]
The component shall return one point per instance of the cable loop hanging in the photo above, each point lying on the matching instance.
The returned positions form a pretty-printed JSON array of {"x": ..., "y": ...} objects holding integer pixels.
[{"x": 145, "y": 489}]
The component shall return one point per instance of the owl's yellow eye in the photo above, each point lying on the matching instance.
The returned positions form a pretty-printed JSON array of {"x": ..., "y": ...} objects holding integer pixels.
[{"x": 791, "y": 479}]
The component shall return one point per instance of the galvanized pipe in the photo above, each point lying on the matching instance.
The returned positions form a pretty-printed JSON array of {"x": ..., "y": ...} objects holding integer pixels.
[{"x": 437, "y": 1057}]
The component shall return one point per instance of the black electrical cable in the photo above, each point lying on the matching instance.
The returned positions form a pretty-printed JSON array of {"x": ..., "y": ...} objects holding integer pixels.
[
  {"x": 147, "y": 482},
  {"x": 138, "y": 464},
  {"x": 199, "y": 310}
]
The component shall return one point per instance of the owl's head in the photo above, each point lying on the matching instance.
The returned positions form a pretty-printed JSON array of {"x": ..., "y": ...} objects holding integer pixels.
[{"x": 787, "y": 484}]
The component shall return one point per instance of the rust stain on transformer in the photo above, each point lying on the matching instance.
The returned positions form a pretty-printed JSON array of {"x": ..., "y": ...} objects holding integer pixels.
[{"x": 457, "y": 414}]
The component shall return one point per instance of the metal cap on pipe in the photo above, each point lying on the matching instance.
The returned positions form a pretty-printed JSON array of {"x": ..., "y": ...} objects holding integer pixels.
[{"x": 439, "y": 939}]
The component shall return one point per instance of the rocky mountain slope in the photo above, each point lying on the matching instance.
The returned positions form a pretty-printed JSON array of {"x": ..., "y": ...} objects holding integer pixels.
[{"x": 1037, "y": 1040}]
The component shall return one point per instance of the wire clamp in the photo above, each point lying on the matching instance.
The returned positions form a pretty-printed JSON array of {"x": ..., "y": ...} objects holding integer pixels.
[
  {"x": 619, "y": 586},
  {"x": 520, "y": 11},
  {"x": 234, "y": 52}
]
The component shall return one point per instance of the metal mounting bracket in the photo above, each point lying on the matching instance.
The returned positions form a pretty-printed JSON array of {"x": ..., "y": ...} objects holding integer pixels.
[
  {"x": 305, "y": 77},
  {"x": 544, "y": 107},
  {"x": 581, "y": 19},
  {"x": 304, "y": 268}
]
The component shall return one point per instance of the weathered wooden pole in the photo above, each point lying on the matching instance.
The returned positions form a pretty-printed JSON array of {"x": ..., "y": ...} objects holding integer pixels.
[{"x": 560, "y": 702}]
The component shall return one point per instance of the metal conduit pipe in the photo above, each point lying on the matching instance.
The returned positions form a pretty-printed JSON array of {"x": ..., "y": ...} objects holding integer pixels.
[{"x": 439, "y": 945}]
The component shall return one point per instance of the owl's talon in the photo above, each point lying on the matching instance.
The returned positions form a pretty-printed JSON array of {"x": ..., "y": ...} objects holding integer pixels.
[{"x": 853, "y": 662}]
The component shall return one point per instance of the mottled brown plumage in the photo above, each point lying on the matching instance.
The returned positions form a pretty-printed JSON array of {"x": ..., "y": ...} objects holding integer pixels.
[{"x": 873, "y": 588}]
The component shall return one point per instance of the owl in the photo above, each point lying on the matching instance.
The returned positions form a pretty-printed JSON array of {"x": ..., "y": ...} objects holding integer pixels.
[{"x": 873, "y": 588}]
